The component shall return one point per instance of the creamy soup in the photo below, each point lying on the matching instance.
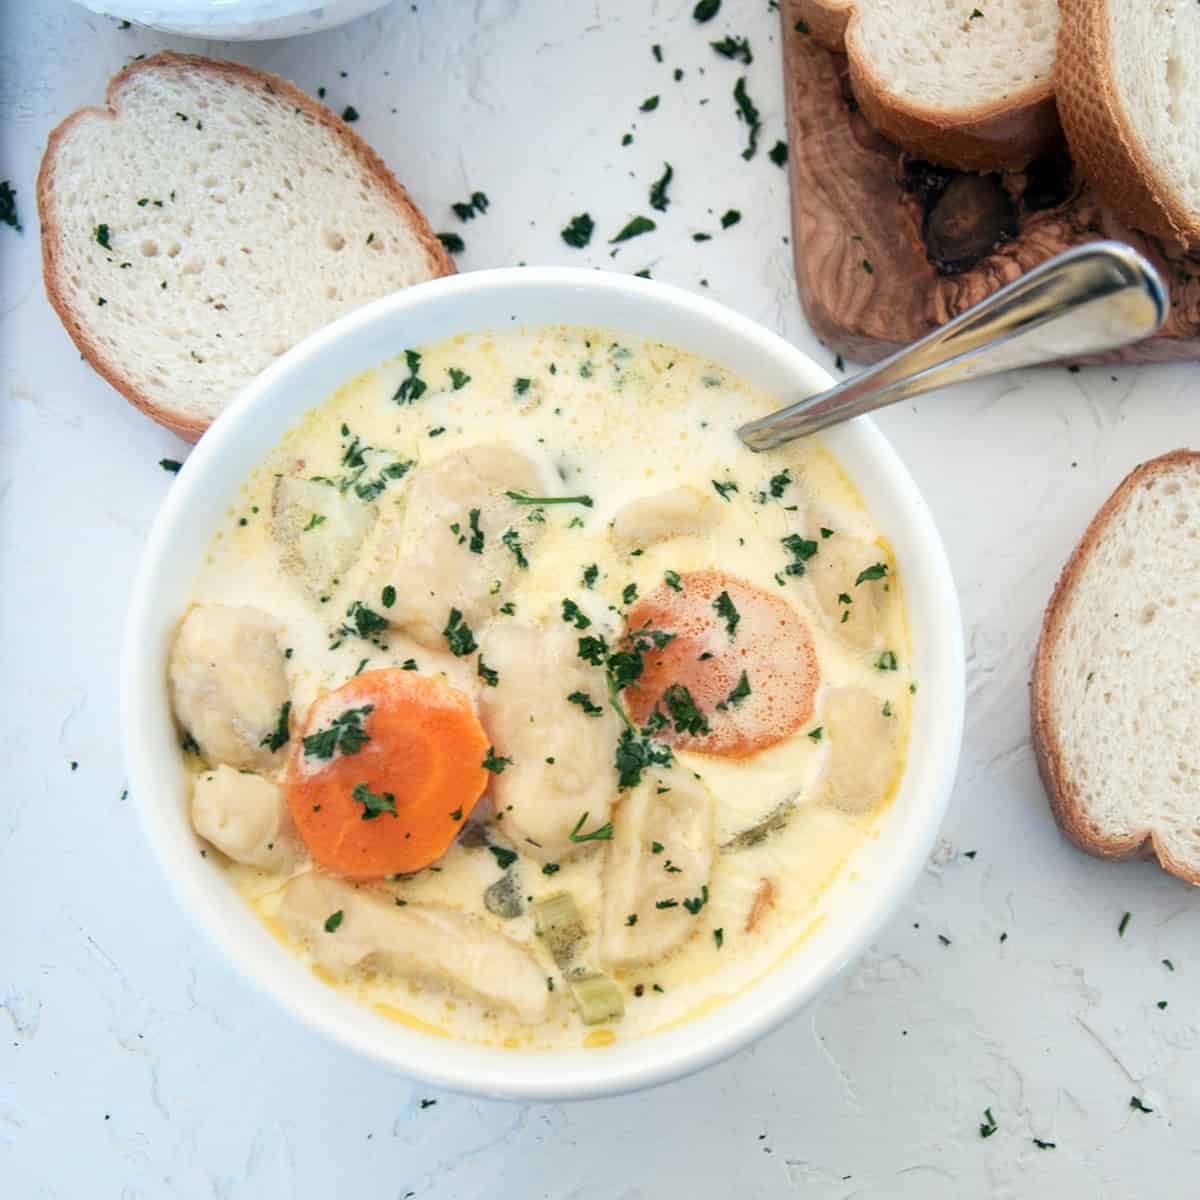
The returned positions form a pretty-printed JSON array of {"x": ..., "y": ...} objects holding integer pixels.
[{"x": 525, "y": 705}]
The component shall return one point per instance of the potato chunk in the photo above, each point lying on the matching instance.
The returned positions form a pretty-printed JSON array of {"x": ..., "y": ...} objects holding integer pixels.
[
  {"x": 319, "y": 530},
  {"x": 427, "y": 943},
  {"x": 246, "y": 817},
  {"x": 833, "y": 573},
  {"x": 228, "y": 684},
  {"x": 650, "y": 894},
  {"x": 529, "y": 719},
  {"x": 863, "y": 751},
  {"x": 446, "y": 549},
  {"x": 679, "y": 512}
]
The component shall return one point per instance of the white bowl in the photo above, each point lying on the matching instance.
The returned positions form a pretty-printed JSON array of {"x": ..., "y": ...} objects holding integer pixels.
[
  {"x": 868, "y": 890},
  {"x": 236, "y": 20}
]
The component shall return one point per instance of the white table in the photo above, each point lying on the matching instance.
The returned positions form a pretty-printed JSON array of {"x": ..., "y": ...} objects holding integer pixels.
[{"x": 134, "y": 1063}]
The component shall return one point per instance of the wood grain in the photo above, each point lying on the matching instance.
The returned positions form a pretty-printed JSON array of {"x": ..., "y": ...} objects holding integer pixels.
[{"x": 887, "y": 248}]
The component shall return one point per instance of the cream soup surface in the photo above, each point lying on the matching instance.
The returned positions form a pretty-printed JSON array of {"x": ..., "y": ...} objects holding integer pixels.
[{"x": 617, "y": 420}]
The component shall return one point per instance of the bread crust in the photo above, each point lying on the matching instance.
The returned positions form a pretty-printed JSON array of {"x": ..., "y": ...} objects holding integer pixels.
[
  {"x": 1004, "y": 136},
  {"x": 1060, "y": 787},
  {"x": 190, "y": 429},
  {"x": 1102, "y": 139}
]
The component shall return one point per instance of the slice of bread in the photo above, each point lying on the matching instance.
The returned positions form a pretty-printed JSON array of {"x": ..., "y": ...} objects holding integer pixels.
[
  {"x": 1128, "y": 84},
  {"x": 965, "y": 83},
  {"x": 1116, "y": 682},
  {"x": 207, "y": 220}
]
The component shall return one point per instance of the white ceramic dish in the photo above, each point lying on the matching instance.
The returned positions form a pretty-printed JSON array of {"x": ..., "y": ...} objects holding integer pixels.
[
  {"x": 867, "y": 891},
  {"x": 236, "y": 20}
]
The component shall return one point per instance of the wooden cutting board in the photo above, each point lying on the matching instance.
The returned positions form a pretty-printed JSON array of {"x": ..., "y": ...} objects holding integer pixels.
[{"x": 888, "y": 248}]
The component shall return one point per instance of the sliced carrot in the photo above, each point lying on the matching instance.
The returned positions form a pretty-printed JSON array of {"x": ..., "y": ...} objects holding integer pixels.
[
  {"x": 742, "y": 656},
  {"x": 392, "y": 796}
]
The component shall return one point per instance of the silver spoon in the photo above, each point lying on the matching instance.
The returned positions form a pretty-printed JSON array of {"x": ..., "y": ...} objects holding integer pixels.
[{"x": 1089, "y": 299}]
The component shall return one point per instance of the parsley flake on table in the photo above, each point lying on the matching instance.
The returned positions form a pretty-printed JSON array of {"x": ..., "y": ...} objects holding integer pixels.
[
  {"x": 747, "y": 112},
  {"x": 778, "y": 154},
  {"x": 578, "y": 231},
  {"x": 8, "y": 205},
  {"x": 988, "y": 1125},
  {"x": 658, "y": 191},
  {"x": 734, "y": 48},
  {"x": 1138, "y": 1106},
  {"x": 102, "y": 236},
  {"x": 705, "y": 10},
  {"x": 649, "y": 104},
  {"x": 170, "y": 464},
  {"x": 452, "y": 242},
  {"x": 476, "y": 206},
  {"x": 512, "y": 539},
  {"x": 634, "y": 227},
  {"x": 730, "y": 218}
]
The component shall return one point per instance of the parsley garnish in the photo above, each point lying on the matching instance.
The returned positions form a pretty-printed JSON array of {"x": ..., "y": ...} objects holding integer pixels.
[
  {"x": 278, "y": 737},
  {"x": 988, "y": 1126},
  {"x": 504, "y": 858},
  {"x": 593, "y": 650},
  {"x": 487, "y": 674},
  {"x": 719, "y": 937},
  {"x": 364, "y": 623},
  {"x": 740, "y": 692},
  {"x": 734, "y": 48},
  {"x": 779, "y": 483},
  {"x": 1045, "y": 1145},
  {"x": 476, "y": 543},
  {"x": 635, "y": 227},
  {"x": 102, "y": 236},
  {"x": 458, "y": 635},
  {"x": 572, "y": 612},
  {"x": 658, "y": 191},
  {"x": 778, "y": 153},
  {"x": 602, "y": 833},
  {"x": 723, "y": 489},
  {"x": 520, "y": 386},
  {"x": 1124, "y": 924},
  {"x": 801, "y": 550},
  {"x": 579, "y": 231},
  {"x": 333, "y": 921},
  {"x": 867, "y": 574},
  {"x": 452, "y": 242},
  {"x": 512, "y": 539},
  {"x": 344, "y": 734},
  {"x": 705, "y": 10},
  {"x": 8, "y": 205},
  {"x": 458, "y": 379},
  {"x": 349, "y": 114},
  {"x": 634, "y": 755},
  {"x": 666, "y": 904},
  {"x": 590, "y": 574},
  {"x": 672, "y": 581},
  {"x": 494, "y": 763},
  {"x": 730, "y": 218},
  {"x": 313, "y": 521},
  {"x": 170, "y": 464},
  {"x": 550, "y": 868},
  {"x": 887, "y": 661},
  {"x": 629, "y": 593},
  {"x": 412, "y": 388},
  {"x": 697, "y": 903},
  {"x": 585, "y": 702},
  {"x": 683, "y": 711},
  {"x": 374, "y": 804},
  {"x": 728, "y": 613},
  {"x": 815, "y": 734},
  {"x": 477, "y": 205},
  {"x": 521, "y": 498},
  {"x": 747, "y": 112}
]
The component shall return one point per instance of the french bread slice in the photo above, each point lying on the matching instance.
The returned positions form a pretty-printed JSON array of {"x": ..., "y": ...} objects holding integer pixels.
[
  {"x": 207, "y": 220},
  {"x": 965, "y": 83},
  {"x": 1116, "y": 681},
  {"x": 1128, "y": 82}
]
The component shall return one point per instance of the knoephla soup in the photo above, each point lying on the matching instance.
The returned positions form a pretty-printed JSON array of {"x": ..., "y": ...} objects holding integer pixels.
[{"x": 524, "y": 704}]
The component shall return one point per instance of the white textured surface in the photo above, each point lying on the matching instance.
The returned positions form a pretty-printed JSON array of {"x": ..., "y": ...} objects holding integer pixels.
[{"x": 134, "y": 1064}]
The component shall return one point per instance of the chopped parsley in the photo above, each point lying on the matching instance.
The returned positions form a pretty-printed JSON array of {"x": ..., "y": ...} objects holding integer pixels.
[
  {"x": 477, "y": 540},
  {"x": 634, "y": 227},
  {"x": 486, "y": 673},
  {"x": 349, "y": 114},
  {"x": 364, "y": 623},
  {"x": 345, "y": 734},
  {"x": 313, "y": 521},
  {"x": 728, "y": 613},
  {"x": 578, "y": 231},
  {"x": 374, "y": 804},
  {"x": 586, "y": 703},
  {"x": 170, "y": 464},
  {"x": 778, "y": 153},
  {"x": 458, "y": 379},
  {"x": 734, "y": 48},
  {"x": 504, "y": 858},
  {"x": 698, "y": 902},
  {"x": 635, "y": 754},
  {"x": 719, "y": 937},
  {"x": 705, "y": 10},
  {"x": 629, "y": 593},
  {"x": 593, "y": 650},
  {"x": 602, "y": 833},
  {"x": 590, "y": 574},
  {"x": 571, "y": 612},
  {"x": 521, "y": 498},
  {"x": 686, "y": 717},
  {"x": 476, "y": 206},
  {"x": 102, "y": 236},
  {"x": 816, "y": 734},
  {"x": 8, "y": 205},
  {"x": 988, "y": 1125},
  {"x": 730, "y": 218},
  {"x": 1124, "y": 924},
  {"x": 868, "y": 574},
  {"x": 1045, "y": 1145},
  {"x": 333, "y": 921},
  {"x": 412, "y": 388},
  {"x": 1138, "y": 1106},
  {"x": 658, "y": 191},
  {"x": 748, "y": 113},
  {"x": 778, "y": 484},
  {"x": 520, "y": 386},
  {"x": 512, "y": 539},
  {"x": 495, "y": 763},
  {"x": 673, "y": 581},
  {"x": 740, "y": 692},
  {"x": 550, "y": 868},
  {"x": 631, "y": 919},
  {"x": 388, "y": 596},
  {"x": 459, "y": 636},
  {"x": 452, "y": 242},
  {"x": 801, "y": 550},
  {"x": 649, "y": 104},
  {"x": 278, "y": 737},
  {"x": 723, "y": 489}
]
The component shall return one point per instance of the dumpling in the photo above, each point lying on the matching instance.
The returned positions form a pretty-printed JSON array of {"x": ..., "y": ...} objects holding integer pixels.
[
  {"x": 457, "y": 540},
  {"x": 834, "y": 571},
  {"x": 679, "y": 512},
  {"x": 653, "y": 896},
  {"x": 246, "y": 817},
  {"x": 320, "y": 531},
  {"x": 423, "y": 942},
  {"x": 228, "y": 684},
  {"x": 863, "y": 749},
  {"x": 530, "y": 719}
]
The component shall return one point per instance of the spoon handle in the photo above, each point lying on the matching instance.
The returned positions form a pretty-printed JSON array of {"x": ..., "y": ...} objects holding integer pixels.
[{"x": 1092, "y": 298}]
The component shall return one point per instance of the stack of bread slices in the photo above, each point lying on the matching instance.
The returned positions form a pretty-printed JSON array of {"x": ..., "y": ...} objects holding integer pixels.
[{"x": 984, "y": 85}]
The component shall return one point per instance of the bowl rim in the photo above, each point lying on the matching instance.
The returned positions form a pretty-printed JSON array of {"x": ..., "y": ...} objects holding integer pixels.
[{"x": 461, "y": 1066}]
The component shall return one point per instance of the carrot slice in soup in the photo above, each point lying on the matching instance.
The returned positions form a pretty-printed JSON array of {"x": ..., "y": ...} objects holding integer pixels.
[
  {"x": 387, "y": 769},
  {"x": 740, "y": 673}
]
